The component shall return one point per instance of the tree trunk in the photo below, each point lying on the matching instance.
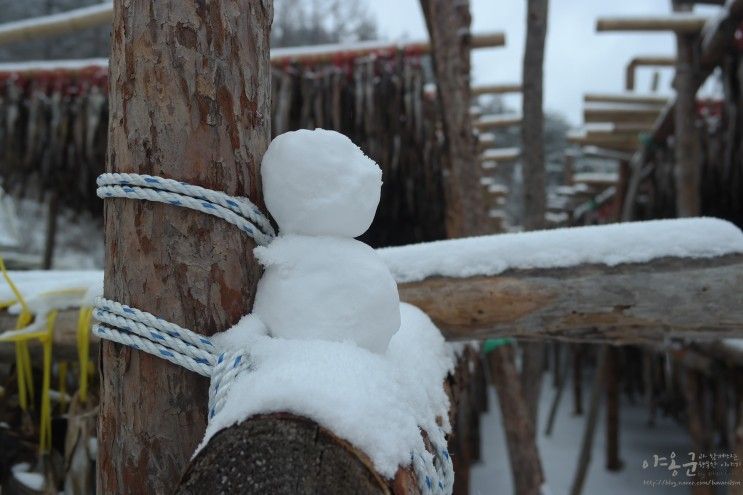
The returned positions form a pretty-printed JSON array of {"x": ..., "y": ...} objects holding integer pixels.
[
  {"x": 688, "y": 168},
  {"x": 532, "y": 147},
  {"x": 520, "y": 435},
  {"x": 190, "y": 96},
  {"x": 532, "y": 128},
  {"x": 448, "y": 27}
]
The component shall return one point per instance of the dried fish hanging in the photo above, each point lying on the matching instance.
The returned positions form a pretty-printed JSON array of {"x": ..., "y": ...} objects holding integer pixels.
[
  {"x": 380, "y": 104},
  {"x": 53, "y": 135},
  {"x": 720, "y": 126},
  {"x": 53, "y": 130}
]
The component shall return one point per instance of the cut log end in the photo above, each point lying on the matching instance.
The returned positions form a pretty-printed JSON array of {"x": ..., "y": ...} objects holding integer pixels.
[{"x": 282, "y": 454}]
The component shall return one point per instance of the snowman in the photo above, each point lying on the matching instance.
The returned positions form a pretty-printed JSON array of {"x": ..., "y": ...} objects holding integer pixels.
[{"x": 320, "y": 282}]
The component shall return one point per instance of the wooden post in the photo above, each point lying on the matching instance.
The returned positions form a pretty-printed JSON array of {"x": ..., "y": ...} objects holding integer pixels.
[
  {"x": 190, "y": 100},
  {"x": 535, "y": 196},
  {"x": 520, "y": 435},
  {"x": 695, "y": 406},
  {"x": 448, "y": 27},
  {"x": 52, "y": 213},
  {"x": 613, "y": 461},
  {"x": 532, "y": 129},
  {"x": 686, "y": 149},
  {"x": 577, "y": 379},
  {"x": 584, "y": 458}
]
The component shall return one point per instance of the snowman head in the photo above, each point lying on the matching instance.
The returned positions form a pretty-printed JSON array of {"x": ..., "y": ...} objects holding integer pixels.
[{"x": 319, "y": 183}]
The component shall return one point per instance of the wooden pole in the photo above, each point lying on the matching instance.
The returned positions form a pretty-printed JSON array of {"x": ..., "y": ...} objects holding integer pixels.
[
  {"x": 52, "y": 213},
  {"x": 686, "y": 149},
  {"x": 653, "y": 61},
  {"x": 520, "y": 435},
  {"x": 613, "y": 461},
  {"x": 578, "y": 351},
  {"x": 535, "y": 195},
  {"x": 584, "y": 458},
  {"x": 448, "y": 27},
  {"x": 190, "y": 100}
]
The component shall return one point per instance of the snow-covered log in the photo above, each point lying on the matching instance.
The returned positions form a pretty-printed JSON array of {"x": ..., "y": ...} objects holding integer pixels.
[
  {"x": 619, "y": 283},
  {"x": 56, "y": 24}
]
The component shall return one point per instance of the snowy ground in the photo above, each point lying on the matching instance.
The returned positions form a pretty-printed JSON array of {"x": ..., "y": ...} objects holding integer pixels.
[{"x": 638, "y": 441}]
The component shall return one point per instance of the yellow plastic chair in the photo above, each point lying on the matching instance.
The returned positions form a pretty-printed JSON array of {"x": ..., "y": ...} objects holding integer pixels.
[{"x": 42, "y": 329}]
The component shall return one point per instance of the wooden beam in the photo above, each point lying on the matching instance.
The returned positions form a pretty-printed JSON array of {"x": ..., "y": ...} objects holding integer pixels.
[
  {"x": 56, "y": 24},
  {"x": 495, "y": 89},
  {"x": 678, "y": 23},
  {"x": 632, "y": 98},
  {"x": 501, "y": 154},
  {"x": 714, "y": 43},
  {"x": 491, "y": 122},
  {"x": 643, "y": 61},
  {"x": 621, "y": 304},
  {"x": 637, "y": 113}
]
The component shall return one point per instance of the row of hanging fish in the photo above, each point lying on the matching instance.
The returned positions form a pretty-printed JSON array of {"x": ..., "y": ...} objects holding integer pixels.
[
  {"x": 720, "y": 143},
  {"x": 53, "y": 133}
]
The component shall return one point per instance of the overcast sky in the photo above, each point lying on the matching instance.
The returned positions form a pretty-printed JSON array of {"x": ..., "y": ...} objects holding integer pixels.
[{"x": 577, "y": 60}]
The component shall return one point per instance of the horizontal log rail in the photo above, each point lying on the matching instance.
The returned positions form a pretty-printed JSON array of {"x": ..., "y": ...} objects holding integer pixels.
[
  {"x": 679, "y": 297},
  {"x": 635, "y": 302},
  {"x": 495, "y": 89},
  {"x": 645, "y": 61},
  {"x": 679, "y": 23}
]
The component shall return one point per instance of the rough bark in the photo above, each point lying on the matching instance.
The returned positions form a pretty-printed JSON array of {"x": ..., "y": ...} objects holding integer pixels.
[
  {"x": 448, "y": 27},
  {"x": 686, "y": 149},
  {"x": 190, "y": 98},
  {"x": 523, "y": 454},
  {"x": 621, "y": 304},
  {"x": 532, "y": 129}
]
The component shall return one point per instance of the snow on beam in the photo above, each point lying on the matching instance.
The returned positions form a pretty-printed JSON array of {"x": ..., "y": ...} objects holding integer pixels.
[
  {"x": 500, "y": 154},
  {"x": 316, "y": 54},
  {"x": 679, "y": 23},
  {"x": 620, "y": 283},
  {"x": 56, "y": 24}
]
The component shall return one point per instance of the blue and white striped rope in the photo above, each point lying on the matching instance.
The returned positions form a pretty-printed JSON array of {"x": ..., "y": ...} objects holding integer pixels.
[
  {"x": 238, "y": 211},
  {"x": 146, "y": 332},
  {"x": 436, "y": 474}
]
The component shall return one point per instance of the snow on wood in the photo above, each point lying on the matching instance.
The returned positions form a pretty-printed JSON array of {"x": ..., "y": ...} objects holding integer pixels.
[
  {"x": 55, "y": 24},
  {"x": 316, "y": 54},
  {"x": 613, "y": 282},
  {"x": 596, "y": 178},
  {"x": 376, "y": 402},
  {"x": 610, "y": 245},
  {"x": 501, "y": 154},
  {"x": 679, "y": 23}
]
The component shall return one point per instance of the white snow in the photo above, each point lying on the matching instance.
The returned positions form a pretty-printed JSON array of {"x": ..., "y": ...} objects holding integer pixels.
[
  {"x": 34, "y": 481},
  {"x": 596, "y": 177},
  {"x": 376, "y": 402},
  {"x": 320, "y": 183},
  {"x": 33, "y": 284},
  {"x": 635, "y": 242},
  {"x": 327, "y": 288},
  {"x": 101, "y": 11}
]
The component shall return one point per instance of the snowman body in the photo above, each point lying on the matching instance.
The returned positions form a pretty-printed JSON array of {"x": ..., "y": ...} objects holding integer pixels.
[{"x": 319, "y": 282}]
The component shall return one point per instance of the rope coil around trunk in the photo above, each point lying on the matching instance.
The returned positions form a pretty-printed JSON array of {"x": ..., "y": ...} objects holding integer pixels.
[{"x": 146, "y": 332}]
